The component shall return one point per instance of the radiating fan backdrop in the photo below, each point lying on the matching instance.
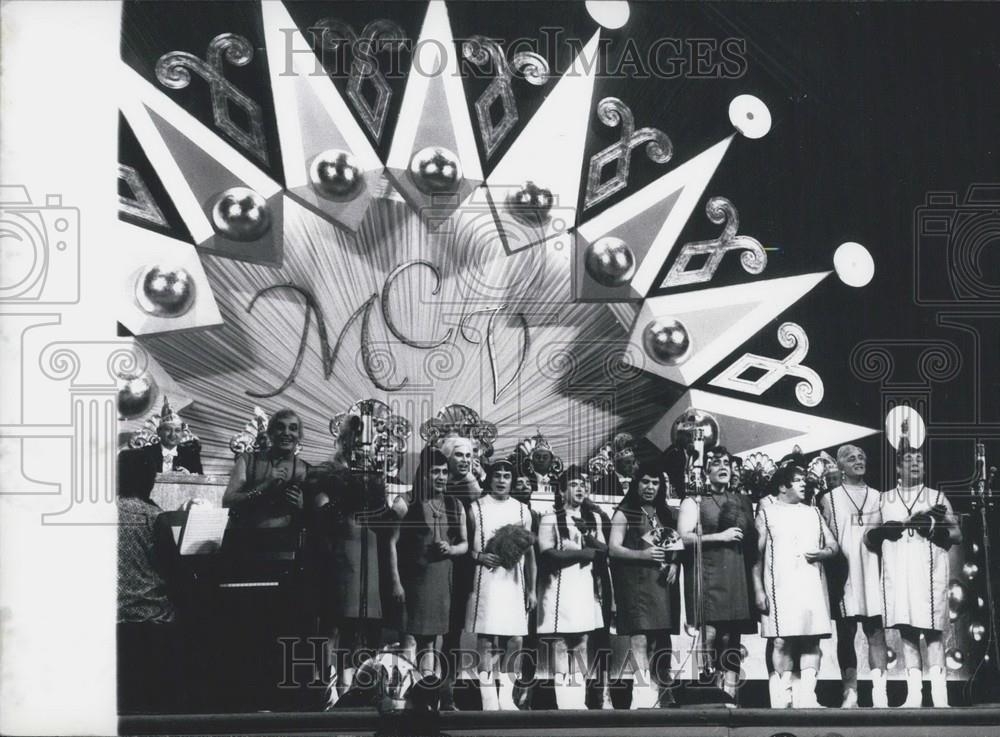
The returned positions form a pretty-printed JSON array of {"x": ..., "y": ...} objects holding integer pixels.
[{"x": 578, "y": 382}]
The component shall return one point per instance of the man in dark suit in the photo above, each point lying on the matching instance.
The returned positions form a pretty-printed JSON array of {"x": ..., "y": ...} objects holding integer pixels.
[{"x": 172, "y": 448}]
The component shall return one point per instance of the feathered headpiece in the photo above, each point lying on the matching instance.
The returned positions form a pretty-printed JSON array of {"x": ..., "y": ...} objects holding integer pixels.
[
  {"x": 148, "y": 434},
  {"x": 531, "y": 448},
  {"x": 457, "y": 419},
  {"x": 253, "y": 437}
]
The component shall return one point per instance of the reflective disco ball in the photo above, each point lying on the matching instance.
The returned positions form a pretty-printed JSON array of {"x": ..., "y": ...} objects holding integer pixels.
[
  {"x": 977, "y": 631},
  {"x": 165, "y": 292},
  {"x": 685, "y": 428},
  {"x": 667, "y": 341},
  {"x": 240, "y": 214},
  {"x": 970, "y": 571},
  {"x": 335, "y": 175},
  {"x": 957, "y": 599},
  {"x": 530, "y": 204},
  {"x": 974, "y": 547},
  {"x": 136, "y": 395},
  {"x": 890, "y": 658},
  {"x": 435, "y": 169},
  {"x": 610, "y": 262},
  {"x": 954, "y": 659}
]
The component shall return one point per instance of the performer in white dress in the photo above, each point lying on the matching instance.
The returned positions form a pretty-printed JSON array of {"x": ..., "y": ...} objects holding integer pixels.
[
  {"x": 569, "y": 541},
  {"x": 917, "y": 530},
  {"x": 498, "y": 608},
  {"x": 856, "y": 592},
  {"x": 789, "y": 587}
]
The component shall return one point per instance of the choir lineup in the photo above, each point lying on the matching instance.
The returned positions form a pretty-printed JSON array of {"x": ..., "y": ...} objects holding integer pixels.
[{"x": 515, "y": 554}]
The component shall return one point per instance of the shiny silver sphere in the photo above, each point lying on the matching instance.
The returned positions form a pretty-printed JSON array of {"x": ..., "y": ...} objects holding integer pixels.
[
  {"x": 970, "y": 571},
  {"x": 957, "y": 599},
  {"x": 954, "y": 659},
  {"x": 610, "y": 262},
  {"x": 165, "y": 292},
  {"x": 136, "y": 396},
  {"x": 977, "y": 631},
  {"x": 530, "y": 204},
  {"x": 435, "y": 169},
  {"x": 667, "y": 341},
  {"x": 336, "y": 175},
  {"x": 687, "y": 426},
  {"x": 240, "y": 214},
  {"x": 890, "y": 658}
]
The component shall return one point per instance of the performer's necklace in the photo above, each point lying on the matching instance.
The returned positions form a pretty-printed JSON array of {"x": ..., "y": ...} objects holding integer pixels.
[
  {"x": 860, "y": 510},
  {"x": 909, "y": 507},
  {"x": 651, "y": 519}
]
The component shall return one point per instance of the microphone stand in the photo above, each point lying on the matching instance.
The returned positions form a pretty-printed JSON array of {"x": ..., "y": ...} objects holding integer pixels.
[
  {"x": 982, "y": 495},
  {"x": 696, "y": 485}
]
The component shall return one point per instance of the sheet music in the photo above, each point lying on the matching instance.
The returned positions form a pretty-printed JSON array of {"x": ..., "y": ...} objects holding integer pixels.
[{"x": 203, "y": 530}]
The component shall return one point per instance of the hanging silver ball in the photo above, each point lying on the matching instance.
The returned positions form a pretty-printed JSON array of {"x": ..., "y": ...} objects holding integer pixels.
[
  {"x": 530, "y": 204},
  {"x": 335, "y": 175},
  {"x": 610, "y": 262},
  {"x": 435, "y": 169},
  {"x": 136, "y": 395},
  {"x": 667, "y": 341},
  {"x": 240, "y": 214},
  {"x": 165, "y": 292}
]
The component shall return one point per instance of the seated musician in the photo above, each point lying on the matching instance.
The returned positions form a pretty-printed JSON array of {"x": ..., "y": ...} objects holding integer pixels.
[
  {"x": 265, "y": 486},
  {"x": 149, "y": 675}
]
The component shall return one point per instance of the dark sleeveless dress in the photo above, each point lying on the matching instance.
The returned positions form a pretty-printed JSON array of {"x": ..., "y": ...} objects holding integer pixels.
[
  {"x": 427, "y": 578},
  {"x": 643, "y": 599},
  {"x": 727, "y": 567}
]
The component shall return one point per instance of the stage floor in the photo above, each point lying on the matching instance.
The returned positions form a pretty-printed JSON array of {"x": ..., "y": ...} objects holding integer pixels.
[{"x": 683, "y": 722}]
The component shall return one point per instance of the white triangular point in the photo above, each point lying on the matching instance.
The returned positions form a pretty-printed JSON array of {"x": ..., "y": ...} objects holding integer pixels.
[
  {"x": 719, "y": 320},
  {"x": 312, "y": 117},
  {"x": 437, "y": 64},
  {"x": 144, "y": 249},
  {"x": 748, "y": 427},
  {"x": 137, "y": 98},
  {"x": 549, "y": 152},
  {"x": 690, "y": 180}
]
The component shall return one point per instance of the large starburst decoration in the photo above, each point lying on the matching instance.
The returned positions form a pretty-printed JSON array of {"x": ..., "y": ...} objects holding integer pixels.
[{"x": 446, "y": 272}]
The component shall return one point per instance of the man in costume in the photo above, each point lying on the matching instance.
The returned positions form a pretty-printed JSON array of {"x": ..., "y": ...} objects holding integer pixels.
[
  {"x": 570, "y": 540},
  {"x": 500, "y": 545},
  {"x": 725, "y": 519},
  {"x": 851, "y": 509},
  {"x": 163, "y": 445},
  {"x": 265, "y": 486},
  {"x": 789, "y": 587},
  {"x": 462, "y": 483},
  {"x": 918, "y": 527}
]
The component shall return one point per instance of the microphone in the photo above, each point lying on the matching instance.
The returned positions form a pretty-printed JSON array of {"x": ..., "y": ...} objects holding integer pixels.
[{"x": 980, "y": 474}]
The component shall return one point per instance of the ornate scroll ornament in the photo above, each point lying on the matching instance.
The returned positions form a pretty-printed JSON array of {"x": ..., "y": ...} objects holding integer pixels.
[
  {"x": 537, "y": 444},
  {"x": 612, "y": 112},
  {"x": 457, "y": 419},
  {"x": 381, "y": 438},
  {"x": 487, "y": 54},
  {"x": 719, "y": 211},
  {"x": 491, "y": 347},
  {"x": 809, "y": 392},
  {"x": 253, "y": 437},
  {"x": 174, "y": 71},
  {"x": 364, "y": 67},
  {"x": 387, "y": 314},
  {"x": 141, "y": 204}
]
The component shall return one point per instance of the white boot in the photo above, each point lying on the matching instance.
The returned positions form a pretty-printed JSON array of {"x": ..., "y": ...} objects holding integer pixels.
[
  {"x": 850, "y": 689},
  {"x": 506, "y": 696},
  {"x": 488, "y": 692},
  {"x": 776, "y": 691},
  {"x": 939, "y": 687},
  {"x": 796, "y": 690},
  {"x": 730, "y": 685},
  {"x": 880, "y": 697},
  {"x": 606, "y": 703},
  {"x": 914, "y": 689},
  {"x": 783, "y": 691},
  {"x": 807, "y": 689},
  {"x": 564, "y": 693},
  {"x": 641, "y": 692}
]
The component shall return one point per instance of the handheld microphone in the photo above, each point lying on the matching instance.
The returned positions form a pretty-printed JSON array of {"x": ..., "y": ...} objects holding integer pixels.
[{"x": 980, "y": 473}]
